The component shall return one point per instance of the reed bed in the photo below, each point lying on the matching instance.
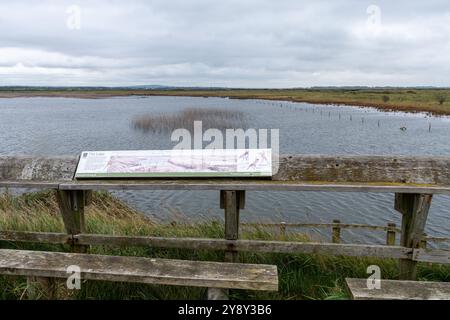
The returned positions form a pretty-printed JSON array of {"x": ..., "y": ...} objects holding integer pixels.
[{"x": 211, "y": 118}]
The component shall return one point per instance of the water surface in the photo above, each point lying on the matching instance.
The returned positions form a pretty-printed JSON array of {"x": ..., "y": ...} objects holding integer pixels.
[{"x": 61, "y": 126}]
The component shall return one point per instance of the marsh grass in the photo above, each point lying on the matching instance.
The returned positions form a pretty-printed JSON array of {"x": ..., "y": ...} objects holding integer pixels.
[
  {"x": 211, "y": 118},
  {"x": 301, "y": 276},
  {"x": 400, "y": 99}
]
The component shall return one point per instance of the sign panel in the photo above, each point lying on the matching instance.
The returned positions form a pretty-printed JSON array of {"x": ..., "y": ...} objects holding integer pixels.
[{"x": 175, "y": 163}]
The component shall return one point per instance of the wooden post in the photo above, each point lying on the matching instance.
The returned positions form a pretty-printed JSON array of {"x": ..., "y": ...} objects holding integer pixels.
[
  {"x": 283, "y": 229},
  {"x": 336, "y": 232},
  {"x": 71, "y": 204},
  {"x": 414, "y": 208},
  {"x": 41, "y": 288},
  {"x": 423, "y": 242},
  {"x": 87, "y": 197},
  {"x": 391, "y": 234},
  {"x": 232, "y": 202}
]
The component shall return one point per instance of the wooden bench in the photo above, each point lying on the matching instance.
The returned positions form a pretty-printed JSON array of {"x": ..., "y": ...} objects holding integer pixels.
[
  {"x": 399, "y": 290},
  {"x": 140, "y": 270}
]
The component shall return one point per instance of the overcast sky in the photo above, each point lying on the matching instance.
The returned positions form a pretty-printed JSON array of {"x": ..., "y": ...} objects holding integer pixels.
[{"x": 233, "y": 43}]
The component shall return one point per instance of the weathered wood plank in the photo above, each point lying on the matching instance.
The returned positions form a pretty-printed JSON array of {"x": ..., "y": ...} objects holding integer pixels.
[
  {"x": 140, "y": 270},
  {"x": 251, "y": 185},
  {"x": 433, "y": 256},
  {"x": 321, "y": 225},
  {"x": 29, "y": 184},
  {"x": 297, "y": 172},
  {"x": 38, "y": 237},
  {"x": 20, "y": 168},
  {"x": 249, "y": 246},
  {"x": 399, "y": 290},
  {"x": 437, "y": 239},
  {"x": 414, "y": 208},
  {"x": 391, "y": 169},
  {"x": 356, "y": 250}
]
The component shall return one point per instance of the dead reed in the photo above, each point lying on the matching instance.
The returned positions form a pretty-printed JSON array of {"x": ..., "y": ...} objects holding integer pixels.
[{"x": 211, "y": 118}]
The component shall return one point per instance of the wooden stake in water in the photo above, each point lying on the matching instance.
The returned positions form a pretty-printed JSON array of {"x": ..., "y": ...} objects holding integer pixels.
[
  {"x": 336, "y": 232},
  {"x": 390, "y": 234},
  {"x": 429, "y": 127}
]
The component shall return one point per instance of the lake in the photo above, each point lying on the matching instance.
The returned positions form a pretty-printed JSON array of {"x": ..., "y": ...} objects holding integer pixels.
[{"x": 62, "y": 126}]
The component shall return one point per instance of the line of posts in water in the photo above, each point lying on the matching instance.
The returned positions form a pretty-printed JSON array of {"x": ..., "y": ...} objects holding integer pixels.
[{"x": 339, "y": 114}]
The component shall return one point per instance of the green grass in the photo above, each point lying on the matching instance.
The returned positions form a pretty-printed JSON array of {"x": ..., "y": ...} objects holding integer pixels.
[
  {"x": 436, "y": 101},
  {"x": 301, "y": 276}
]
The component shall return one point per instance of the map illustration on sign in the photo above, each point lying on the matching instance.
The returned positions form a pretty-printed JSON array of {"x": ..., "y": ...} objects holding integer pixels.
[{"x": 175, "y": 163}]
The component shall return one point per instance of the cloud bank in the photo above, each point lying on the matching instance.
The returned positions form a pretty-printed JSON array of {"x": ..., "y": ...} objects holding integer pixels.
[{"x": 251, "y": 43}]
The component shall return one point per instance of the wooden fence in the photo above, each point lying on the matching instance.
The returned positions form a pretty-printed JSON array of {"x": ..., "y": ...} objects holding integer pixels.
[
  {"x": 414, "y": 180},
  {"x": 337, "y": 226}
]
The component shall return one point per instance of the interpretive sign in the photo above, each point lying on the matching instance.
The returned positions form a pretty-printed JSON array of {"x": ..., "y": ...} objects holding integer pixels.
[{"x": 175, "y": 163}]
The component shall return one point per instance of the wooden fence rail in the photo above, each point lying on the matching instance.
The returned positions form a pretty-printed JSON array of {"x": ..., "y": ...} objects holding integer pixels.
[
  {"x": 414, "y": 180},
  {"x": 232, "y": 246},
  {"x": 390, "y": 229}
]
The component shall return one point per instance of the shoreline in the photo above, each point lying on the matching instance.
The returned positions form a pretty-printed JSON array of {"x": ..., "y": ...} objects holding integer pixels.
[{"x": 231, "y": 94}]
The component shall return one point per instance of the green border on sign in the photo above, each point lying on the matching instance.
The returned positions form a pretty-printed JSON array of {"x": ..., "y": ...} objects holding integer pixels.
[{"x": 173, "y": 175}]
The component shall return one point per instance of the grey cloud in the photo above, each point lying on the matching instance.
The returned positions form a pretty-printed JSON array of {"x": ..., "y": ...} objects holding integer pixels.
[{"x": 253, "y": 43}]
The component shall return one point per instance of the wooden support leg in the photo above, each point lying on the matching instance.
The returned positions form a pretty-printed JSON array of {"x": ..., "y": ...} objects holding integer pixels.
[
  {"x": 283, "y": 229},
  {"x": 414, "y": 208},
  {"x": 217, "y": 294},
  {"x": 87, "y": 197},
  {"x": 336, "y": 232},
  {"x": 232, "y": 202},
  {"x": 41, "y": 288},
  {"x": 390, "y": 234},
  {"x": 72, "y": 204}
]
